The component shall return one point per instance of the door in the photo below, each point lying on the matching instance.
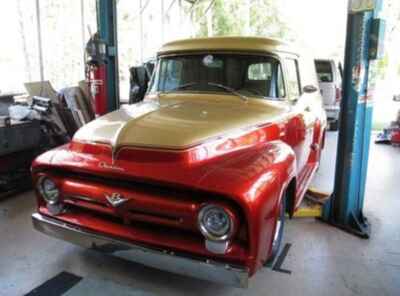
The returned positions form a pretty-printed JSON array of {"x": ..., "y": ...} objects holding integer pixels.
[{"x": 301, "y": 125}]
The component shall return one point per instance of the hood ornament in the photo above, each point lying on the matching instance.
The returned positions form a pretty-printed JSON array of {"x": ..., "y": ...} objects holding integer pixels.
[{"x": 115, "y": 199}]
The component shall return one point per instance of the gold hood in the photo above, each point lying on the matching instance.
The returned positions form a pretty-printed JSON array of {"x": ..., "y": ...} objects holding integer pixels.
[{"x": 178, "y": 121}]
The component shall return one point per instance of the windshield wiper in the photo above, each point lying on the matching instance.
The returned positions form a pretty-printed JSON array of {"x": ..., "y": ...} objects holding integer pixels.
[
  {"x": 231, "y": 90},
  {"x": 182, "y": 86}
]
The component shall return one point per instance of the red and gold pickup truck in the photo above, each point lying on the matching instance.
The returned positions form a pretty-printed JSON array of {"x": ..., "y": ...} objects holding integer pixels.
[{"x": 197, "y": 177}]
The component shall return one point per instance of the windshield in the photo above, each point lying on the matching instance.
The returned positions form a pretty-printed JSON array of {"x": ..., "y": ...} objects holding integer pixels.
[{"x": 244, "y": 75}]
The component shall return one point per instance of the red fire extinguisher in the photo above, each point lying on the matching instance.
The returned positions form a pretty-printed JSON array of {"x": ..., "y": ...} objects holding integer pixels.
[{"x": 96, "y": 73}]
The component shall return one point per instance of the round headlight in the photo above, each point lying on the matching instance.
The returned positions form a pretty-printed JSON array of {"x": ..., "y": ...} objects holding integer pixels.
[
  {"x": 215, "y": 223},
  {"x": 48, "y": 189}
]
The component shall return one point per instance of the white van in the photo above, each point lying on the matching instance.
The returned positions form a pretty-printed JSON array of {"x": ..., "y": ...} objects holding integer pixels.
[{"x": 330, "y": 83}]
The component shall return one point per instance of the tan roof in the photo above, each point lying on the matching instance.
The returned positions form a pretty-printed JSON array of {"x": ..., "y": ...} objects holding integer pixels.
[{"x": 225, "y": 43}]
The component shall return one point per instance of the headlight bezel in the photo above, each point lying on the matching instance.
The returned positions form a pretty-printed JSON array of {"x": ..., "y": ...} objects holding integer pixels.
[
  {"x": 47, "y": 197},
  {"x": 207, "y": 233}
]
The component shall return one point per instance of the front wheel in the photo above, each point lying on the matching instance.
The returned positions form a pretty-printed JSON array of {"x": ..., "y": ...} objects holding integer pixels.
[{"x": 278, "y": 233}]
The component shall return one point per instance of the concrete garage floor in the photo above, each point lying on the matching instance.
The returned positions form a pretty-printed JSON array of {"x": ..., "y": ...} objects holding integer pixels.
[{"x": 322, "y": 259}]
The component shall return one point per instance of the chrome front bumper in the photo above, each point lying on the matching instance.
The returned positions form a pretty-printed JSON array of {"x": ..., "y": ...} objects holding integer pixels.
[{"x": 159, "y": 259}]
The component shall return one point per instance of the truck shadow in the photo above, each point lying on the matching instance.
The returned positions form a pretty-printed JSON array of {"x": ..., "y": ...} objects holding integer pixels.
[{"x": 94, "y": 264}]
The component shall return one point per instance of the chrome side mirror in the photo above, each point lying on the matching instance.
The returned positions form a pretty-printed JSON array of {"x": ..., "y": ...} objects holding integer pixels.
[{"x": 309, "y": 89}]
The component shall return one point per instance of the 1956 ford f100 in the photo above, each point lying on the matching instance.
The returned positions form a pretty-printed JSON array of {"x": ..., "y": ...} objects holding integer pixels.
[{"x": 196, "y": 178}]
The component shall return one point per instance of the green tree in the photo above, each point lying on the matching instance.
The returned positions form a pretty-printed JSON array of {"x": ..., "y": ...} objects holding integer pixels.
[
  {"x": 265, "y": 20},
  {"x": 238, "y": 17}
]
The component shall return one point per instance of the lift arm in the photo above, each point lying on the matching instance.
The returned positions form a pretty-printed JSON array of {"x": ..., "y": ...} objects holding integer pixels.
[{"x": 107, "y": 27}]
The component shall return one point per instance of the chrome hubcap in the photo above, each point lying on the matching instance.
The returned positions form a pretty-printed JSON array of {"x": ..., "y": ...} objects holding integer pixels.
[
  {"x": 278, "y": 227},
  {"x": 277, "y": 230}
]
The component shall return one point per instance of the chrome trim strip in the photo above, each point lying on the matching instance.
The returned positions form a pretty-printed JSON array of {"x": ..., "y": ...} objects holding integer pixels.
[
  {"x": 159, "y": 259},
  {"x": 87, "y": 199}
]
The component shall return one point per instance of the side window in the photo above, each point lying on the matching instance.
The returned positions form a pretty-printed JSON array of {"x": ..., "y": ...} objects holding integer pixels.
[
  {"x": 280, "y": 83},
  {"x": 294, "y": 86}
]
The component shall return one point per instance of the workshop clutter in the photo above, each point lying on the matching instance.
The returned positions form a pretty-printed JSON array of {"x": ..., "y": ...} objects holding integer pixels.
[
  {"x": 34, "y": 123},
  {"x": 64, "y": 111},
  {"x": 391, "y": 134}
]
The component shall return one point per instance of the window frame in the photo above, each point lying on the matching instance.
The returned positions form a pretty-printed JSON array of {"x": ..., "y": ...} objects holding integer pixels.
[
  {"x": 285, "y": 94},
  {"x": 295, "y": 59}
]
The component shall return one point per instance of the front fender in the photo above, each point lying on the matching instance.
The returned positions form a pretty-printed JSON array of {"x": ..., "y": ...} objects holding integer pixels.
[{"x": 256, "y": 180}]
